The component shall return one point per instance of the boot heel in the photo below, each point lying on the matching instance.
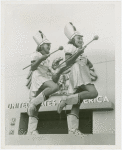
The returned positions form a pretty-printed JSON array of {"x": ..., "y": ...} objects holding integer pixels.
[{"x": 60, "y": 106}]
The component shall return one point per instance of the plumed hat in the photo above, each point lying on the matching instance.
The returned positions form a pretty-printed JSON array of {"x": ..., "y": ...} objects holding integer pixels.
[
  {"x": 40, "y": 38},
  {"x": 70, "y": 31}
]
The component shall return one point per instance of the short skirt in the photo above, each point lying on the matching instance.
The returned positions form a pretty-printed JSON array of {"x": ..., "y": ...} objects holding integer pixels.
[
  {"x": 79, "y": 75},
  {"x": 37, "y": 82}
]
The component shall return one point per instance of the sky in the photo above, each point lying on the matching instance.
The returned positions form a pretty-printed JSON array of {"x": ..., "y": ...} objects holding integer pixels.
[{"x": 22, "y": 21}]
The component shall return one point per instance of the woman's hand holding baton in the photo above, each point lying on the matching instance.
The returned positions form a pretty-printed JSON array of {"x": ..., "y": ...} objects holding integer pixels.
[
  {"x": 68, "y": 62},
  {"x": 60, "y": 48}
]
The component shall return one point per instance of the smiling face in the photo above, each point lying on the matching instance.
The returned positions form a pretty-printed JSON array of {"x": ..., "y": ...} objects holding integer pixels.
[
  {"x": 45, "y": 48},
  {"x": 78, "y": 41}
]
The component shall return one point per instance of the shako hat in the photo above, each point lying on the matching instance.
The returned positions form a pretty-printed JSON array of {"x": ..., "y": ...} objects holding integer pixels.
[
  {"x": 40, "y": 38},
  {"x": 70, "y": 31}
]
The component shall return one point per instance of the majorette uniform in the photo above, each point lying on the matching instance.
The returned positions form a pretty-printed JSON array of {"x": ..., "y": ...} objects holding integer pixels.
[
  {"x": 79, "y": 75},
  {"x": 80, "y": 72},
  {"x": 39, "y": 76}
]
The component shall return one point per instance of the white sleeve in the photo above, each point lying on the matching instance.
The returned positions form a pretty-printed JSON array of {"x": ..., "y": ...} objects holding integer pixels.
[
  {"x": 34, "y": 56},
  {"x": 68, "y": 49}
]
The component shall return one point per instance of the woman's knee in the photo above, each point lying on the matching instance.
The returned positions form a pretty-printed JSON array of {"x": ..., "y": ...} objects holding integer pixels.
[
  {"x": 94, "y": 94},
  {"x": 55, "y": 88},
  {"x": 50, "y": 84},
  {"x": 91, "y": 88}
]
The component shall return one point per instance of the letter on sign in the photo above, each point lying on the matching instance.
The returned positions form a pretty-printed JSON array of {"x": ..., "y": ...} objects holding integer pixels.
[
  {"x": 91, "y": 101},
  {"x": 98, "y": 99},
  {"x": 85, "y": 101},
  {"x": 105, "y": 99}
]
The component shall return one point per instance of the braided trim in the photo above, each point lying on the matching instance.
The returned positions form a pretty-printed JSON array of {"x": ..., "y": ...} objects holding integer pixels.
[{"x": 73, "y": 115}]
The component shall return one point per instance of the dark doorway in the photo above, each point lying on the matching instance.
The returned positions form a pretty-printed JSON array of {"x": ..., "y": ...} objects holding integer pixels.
[
  {"x": 23, "y": 124},
  {"x": 86, "y": 122},
  {"x": 52, "y": 123}
]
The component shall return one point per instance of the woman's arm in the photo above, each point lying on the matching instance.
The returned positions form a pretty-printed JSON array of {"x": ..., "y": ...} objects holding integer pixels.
[
  {"x": 35, "y": 63},
  {"x": 67, "y": 56},
  {"x": 75, "y": 56}
]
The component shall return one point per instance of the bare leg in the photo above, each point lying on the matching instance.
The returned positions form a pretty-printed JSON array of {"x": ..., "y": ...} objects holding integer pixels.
[
  {"x": 89, "y": 93},
  {"x": 75, "y": 110},
  {"x": 44, "y": 92},
  {"x": 73, "y": 117},
  {"x": 49, "y": 88},
  {"x": 73, "y": 122}
]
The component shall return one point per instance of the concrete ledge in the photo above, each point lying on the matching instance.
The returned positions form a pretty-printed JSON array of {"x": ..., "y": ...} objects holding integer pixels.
[
  {"x": 98, "y": 106},
  {"x": 89, "y": 106},
  {"x": 61, "y": 139}
]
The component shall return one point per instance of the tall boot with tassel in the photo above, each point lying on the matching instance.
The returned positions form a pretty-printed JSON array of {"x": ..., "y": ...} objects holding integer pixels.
[
  {"x": 32, "y": 126},
  {"x": 73, "y": 125},
  {"x": 33, "y": 113}
]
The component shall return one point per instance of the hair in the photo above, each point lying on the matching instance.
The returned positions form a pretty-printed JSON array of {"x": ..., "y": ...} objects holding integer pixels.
[
  {"x": 39, "y": 48},
  {"x": 72, "y": 41}
]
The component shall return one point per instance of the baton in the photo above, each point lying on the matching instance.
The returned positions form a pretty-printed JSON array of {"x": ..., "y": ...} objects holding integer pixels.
[
  {"x": 60, "y": 48},
  {"x": 95, "y": 38}
]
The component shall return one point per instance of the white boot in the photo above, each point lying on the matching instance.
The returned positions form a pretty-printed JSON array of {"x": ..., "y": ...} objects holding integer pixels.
[
  {"x": 32, "y": 126},
  {"x": 33, "y": 112},
  {"x": 73, "y": 125},
  {"x": 67, "y": 100}
]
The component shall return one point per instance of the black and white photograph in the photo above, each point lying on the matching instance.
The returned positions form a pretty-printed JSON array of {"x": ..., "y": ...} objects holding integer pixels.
[{"x": 59, "y": 63}]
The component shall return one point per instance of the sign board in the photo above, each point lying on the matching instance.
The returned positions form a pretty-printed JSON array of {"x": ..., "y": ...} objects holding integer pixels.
[{"x": 98, "y": 103}]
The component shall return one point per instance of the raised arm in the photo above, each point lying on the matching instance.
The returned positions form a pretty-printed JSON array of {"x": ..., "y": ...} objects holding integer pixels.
[
  {"x": 35, "y": 63},
  {"x": 72, "y": 58}
]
